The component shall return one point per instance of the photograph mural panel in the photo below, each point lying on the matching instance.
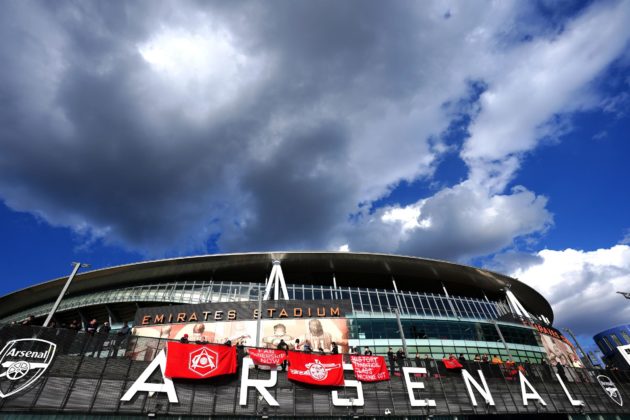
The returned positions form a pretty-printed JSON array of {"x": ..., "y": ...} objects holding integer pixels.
[
  {"x": 560, "y": 352},
  {"x": 320, "y": 333}
]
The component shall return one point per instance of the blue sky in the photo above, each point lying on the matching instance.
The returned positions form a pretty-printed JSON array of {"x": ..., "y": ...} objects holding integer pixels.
[{"x": 492, "y": 134}]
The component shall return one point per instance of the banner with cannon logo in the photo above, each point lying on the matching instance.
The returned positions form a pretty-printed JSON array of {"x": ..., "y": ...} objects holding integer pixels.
[
  {"x": 22, "y": 362},
  {"x": 316, "y": 369},
  {"x": 199, "y": 361}
]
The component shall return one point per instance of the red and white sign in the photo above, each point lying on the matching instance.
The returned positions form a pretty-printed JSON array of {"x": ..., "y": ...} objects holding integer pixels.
[
  {"x": 267, "y": 357},
  {"x": 316, "y": 369},
  {"x": 193, "y": 361},
  {"x": 369, "y": 368}
]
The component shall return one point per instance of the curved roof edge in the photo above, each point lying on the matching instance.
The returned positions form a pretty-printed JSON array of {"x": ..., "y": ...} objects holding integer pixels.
[{"x": 323, "y": 261}]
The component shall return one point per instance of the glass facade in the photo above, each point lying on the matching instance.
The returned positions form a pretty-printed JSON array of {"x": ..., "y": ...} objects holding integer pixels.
[
  {"x": 364, "y": 301},
  {"x": 442, "y": 338},
  {"x": 432, "y": 323}
]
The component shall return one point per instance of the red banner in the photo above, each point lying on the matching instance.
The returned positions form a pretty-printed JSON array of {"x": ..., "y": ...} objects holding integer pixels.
[
  {"x": 199, "y": 361},
  {"x": 452, "y": 364},
  {"x": 370, "y": 368},
  {"x": 316, "y": 369},
  {"x": 267, "y": 357}
]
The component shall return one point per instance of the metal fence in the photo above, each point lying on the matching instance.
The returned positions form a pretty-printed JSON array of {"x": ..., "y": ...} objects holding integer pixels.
[{"x": 90, "y": 373}]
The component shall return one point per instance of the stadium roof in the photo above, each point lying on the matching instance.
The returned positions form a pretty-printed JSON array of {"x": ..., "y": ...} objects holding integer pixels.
[{"x": 350, "y": 269}]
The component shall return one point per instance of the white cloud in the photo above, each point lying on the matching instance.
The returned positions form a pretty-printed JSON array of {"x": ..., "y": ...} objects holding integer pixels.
[
  {"x": 581, "y": 285},
  {"x": 531, "y": 87},
  {"x": 408, "y": 217},
  {"x": 457, "y": 223},
  {"x": 533, "y": 83},
  {"x": 274, "y": 128}
]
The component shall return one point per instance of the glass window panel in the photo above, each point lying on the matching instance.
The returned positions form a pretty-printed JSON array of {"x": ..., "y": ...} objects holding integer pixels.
[
  {"x": 391, "y": 301},
  {"x": 410, "y": 304},
  {"x": 365, "y": 301}
]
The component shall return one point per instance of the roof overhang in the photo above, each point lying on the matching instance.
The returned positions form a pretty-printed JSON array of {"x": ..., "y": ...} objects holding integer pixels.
[{"x": 350, "y": 269}]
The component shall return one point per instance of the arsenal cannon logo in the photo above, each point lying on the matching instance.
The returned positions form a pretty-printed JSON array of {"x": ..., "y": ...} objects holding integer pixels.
[
  {"x": 203, "y": 361},
  {"x": 319, "y": 370},
  {"x": 23, "y": 361},
  {"x": 610, "y": 388}
]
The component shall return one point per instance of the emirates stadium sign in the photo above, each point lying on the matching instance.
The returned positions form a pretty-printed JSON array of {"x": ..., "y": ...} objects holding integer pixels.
[{"x": 238, "y": 311}]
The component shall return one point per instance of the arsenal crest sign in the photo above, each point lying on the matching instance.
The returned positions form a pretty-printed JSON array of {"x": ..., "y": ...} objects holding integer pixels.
[
  {"x": 22, "y": 362},
  {"x": 610, "y": 388}
]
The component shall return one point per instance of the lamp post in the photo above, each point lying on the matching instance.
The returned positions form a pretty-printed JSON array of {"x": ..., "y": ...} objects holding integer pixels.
[
  {"x": 259, "y": 319},
  {"x": 77, "y": 265},
  {"x": 496, "y": 326},
  {"x": 577, "y": 343},
  {"x": 400, "y": 329}
]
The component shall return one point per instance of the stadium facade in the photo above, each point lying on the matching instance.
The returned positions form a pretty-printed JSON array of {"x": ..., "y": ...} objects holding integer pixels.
[{"x": 424, "y": 309}]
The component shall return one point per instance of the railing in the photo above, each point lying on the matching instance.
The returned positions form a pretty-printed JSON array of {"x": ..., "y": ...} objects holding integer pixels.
[{"x": 89, "y": 373}]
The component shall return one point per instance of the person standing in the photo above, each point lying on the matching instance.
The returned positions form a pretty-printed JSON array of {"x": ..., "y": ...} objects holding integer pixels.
[
  {"x": 367, "y": 351},
  {"x": 561, "y": 372},
  {"x": 105, "y": 328},
  {"x": 101, "y": 337},
  {"x": 28, "y": 321},
  {"x": 418, "y": 360},
  {"x": 400, "y": 359},
  {"x": 75, "y": 325},
  {"x": 121, "y": 337},
  {"x": 334, "y": 348},
  {"x": 240, "y": 352},
  {"x": 282, "y": 345},
  {"x": 496, "y": 360},
  {"x": 428, "y": 364},
  {"x": 92, "y": 327},
  {"x": 392, "y": 361}
]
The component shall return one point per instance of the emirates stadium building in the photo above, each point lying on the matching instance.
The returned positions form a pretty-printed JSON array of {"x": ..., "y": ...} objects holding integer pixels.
[{"x": 414, "y": 312}]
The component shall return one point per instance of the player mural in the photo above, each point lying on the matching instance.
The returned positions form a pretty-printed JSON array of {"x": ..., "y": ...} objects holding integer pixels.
[
  {"x": 560, "y": 352},
  {"x": 318, "y": 333}
]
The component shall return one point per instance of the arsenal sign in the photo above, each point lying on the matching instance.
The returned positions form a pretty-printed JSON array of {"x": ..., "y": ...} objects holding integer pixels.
[
  {"x": 23, "y": 361},
  {"x": 610, "y": 388}
]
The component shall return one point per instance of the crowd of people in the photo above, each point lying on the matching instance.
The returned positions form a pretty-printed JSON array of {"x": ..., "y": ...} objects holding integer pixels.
[{"x": 92, "y": 327}]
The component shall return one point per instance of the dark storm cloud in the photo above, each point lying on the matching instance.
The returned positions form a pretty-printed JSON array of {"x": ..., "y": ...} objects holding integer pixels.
[
  {"x": 293, "y": 202},
  {"x": 83, "y": 148}
]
